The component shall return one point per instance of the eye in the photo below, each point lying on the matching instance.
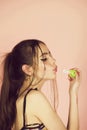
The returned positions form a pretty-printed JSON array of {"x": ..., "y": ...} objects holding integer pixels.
[{"x": 44, "y": 59}]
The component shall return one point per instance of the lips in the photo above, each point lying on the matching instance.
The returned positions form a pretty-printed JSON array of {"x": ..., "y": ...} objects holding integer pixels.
[{"x": 55, "y": 69}]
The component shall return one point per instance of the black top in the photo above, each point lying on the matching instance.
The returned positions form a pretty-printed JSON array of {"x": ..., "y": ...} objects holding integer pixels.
[{"x": 35, "y": 126}]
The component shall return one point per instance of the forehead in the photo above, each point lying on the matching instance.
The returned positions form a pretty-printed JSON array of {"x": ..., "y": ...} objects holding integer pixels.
[{"x": 43, "y": 50}]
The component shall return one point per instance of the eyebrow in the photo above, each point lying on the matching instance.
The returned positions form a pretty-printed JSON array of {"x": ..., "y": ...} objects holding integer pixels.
[{"x": 45, "y": 53}]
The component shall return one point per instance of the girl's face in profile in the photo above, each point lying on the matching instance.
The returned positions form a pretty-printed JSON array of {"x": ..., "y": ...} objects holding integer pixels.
[{"x": 46, "y": 63}]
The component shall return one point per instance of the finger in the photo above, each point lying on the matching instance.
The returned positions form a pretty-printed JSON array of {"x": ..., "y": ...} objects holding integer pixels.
[
  {"x": 77, "y": 71},
  {"x": 70, "y": 78},
  {"x": 78, "y": 75}
]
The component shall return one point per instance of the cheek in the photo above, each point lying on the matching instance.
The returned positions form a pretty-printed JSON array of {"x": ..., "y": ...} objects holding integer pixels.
[
  {"x": 40, "y": 71},
  {"x": 48, "y": 67},
  {"x": 49, "y": 74}
]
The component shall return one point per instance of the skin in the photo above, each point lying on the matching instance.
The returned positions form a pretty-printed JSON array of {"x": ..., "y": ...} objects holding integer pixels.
[{"x": 38, "y": 108}]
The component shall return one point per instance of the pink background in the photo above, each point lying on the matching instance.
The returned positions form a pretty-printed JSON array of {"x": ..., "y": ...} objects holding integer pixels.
[{"x": 63, "y": 27}]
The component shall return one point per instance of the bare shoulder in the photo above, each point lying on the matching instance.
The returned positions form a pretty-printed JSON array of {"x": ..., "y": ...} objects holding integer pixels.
[
  {"x": 43, "y": 110},
  {"x": 37, "y": 97},
  {"x": 39, "y": 103}
]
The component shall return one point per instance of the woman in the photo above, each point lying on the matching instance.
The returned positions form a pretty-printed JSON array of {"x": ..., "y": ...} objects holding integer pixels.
[{"x": 22, "y": 105}]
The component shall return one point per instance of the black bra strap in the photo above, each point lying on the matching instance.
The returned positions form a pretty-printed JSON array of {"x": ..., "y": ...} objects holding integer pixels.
[{"x": 24, "y": 105}]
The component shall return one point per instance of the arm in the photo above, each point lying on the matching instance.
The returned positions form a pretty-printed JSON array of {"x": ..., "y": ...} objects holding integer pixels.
[
  {"x": 42, "y": 109},
  {"x": 73, "y": 119}
]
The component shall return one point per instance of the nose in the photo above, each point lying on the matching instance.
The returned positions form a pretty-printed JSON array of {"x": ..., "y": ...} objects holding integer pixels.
[{"x": 53, "y": 61}]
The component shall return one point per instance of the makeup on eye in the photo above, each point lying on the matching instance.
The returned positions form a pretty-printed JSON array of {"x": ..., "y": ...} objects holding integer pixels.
[
  {"x": 44, "y": 56},
  {"x": 44, "y": 59},
  {"x": 45, "y": 53}
]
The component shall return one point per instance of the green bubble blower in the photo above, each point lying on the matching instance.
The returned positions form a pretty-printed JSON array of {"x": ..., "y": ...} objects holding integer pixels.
[{"x": 71, "y": 73}]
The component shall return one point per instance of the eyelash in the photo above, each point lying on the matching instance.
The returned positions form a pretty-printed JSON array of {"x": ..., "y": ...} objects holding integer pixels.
[{"x": 44, "y": 59}]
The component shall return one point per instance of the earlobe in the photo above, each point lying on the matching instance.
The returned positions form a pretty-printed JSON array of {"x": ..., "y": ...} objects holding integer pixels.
[{"x": 27, "y": 69}]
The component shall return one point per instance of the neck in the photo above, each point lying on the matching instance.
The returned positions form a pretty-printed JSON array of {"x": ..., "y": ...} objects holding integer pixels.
[{"x": 35, "y": 84}]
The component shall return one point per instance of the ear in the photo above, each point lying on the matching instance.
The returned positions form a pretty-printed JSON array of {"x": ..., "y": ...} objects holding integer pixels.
[{"x": 27, "y": 69}]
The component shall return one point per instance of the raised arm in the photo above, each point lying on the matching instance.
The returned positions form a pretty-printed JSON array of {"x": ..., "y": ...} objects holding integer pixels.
[
  {"x": 43, "y": 110},
  {"x": 73, "y": 119}
]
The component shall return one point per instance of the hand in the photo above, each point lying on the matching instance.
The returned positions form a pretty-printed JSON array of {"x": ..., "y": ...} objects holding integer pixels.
[{"x": 74, "y": 82}]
